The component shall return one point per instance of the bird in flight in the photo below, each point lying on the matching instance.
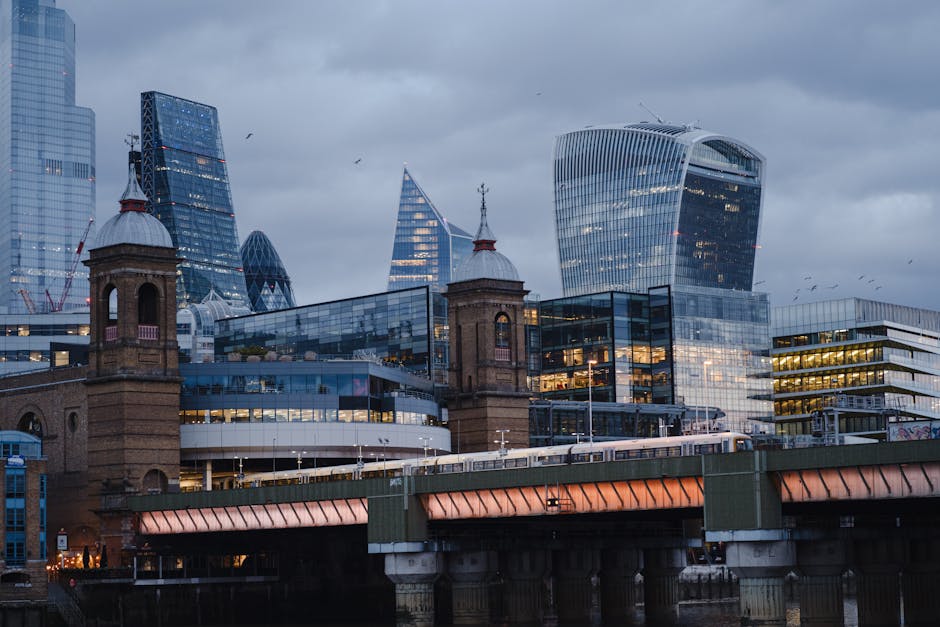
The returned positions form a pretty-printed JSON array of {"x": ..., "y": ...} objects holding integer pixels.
[
  {"x": 356, "y": 162},
  {"x": 759, "y": 282},
  {"x": 248, "y": 136},
  {"x": 910, "y": 261},
  {"x": 861, "y": 276},
  {"x": 813, "y": 289}
]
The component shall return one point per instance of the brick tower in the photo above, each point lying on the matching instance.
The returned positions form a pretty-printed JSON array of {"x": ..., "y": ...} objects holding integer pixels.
[
  {"x": 133, "y": 381},
  {"x": 488, "y": 400}
]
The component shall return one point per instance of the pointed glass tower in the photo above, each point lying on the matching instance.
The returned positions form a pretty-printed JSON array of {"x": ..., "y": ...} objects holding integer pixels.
[
  {"x": 427, "y": 247},
  {"x": 268, "y": 284}
]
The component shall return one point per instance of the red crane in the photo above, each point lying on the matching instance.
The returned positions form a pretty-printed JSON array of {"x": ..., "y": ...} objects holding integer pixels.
[
  {"x": 71, "y": 273},
  {"x": 30, "y": 305}
]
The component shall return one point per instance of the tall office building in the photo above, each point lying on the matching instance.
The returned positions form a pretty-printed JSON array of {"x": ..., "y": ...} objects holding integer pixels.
[
  {"x": 267, "y": 280},
  {"x": 47, "y": 160},
  {"x": 655, "y": 204},
  {"x": 427, "y": 247},
  {"x": 184, "y": 176}
]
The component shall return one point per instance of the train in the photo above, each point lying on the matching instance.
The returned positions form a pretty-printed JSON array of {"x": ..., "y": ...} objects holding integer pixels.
[{"x": 503, "y": 459}]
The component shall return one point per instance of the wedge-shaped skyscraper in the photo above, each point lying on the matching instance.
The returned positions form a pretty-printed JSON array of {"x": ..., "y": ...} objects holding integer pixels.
[
  {"x": 655, "y": 204},
  {"x": 184, "y": 175},
  {"x": 427, "y": 247}
]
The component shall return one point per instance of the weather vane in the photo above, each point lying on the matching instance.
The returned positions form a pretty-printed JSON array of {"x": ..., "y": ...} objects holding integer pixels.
[
  {"x": 132, "y": 139},
  {"x": 483, "y": 189}
]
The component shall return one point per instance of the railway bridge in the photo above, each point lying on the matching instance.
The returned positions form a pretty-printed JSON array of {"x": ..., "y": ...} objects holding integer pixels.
[{"x": 815, "y": 512}]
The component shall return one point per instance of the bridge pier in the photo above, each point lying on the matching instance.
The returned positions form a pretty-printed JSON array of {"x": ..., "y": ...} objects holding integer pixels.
[
  {"x": 574, "y": 589},
  {"x": 619, "y": 567},
  {"x": 877, "y": 565},
  {"x": 921, "y": 601},
  {"x": 525, "y": 571},
  {"x": 820, "y": 565},
  {"x": 469, "y": 572},
  {"x": 414, "y": 575},
  {"x": 661, "y": 568},
  {"x": 761, "y": 567}
]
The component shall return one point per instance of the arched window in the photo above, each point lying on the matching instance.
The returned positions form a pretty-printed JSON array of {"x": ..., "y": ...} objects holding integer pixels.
[
  {"x": 109, "y": 312},
  {"x": 30, "y": 424},
  {"x": 155, "y": 482},
  {"x": 147, "y": 299},
  {"x": 503, "y": 337}
]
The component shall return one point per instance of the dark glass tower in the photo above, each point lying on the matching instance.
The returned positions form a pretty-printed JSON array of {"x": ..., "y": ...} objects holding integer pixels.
[
  {"x": 184, "y": 175},
  {"x": 47, "y": 159},
  {"x": 427, "y": 247},
  {"x": 268, "y": 284}
]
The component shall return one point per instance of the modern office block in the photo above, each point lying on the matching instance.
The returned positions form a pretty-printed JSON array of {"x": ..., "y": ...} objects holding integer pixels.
[
  {"x": 47, "y": 161},
  {"x": 865, "y": 363},
  {"x": 427, "y": 247},
  {"x": 655, "y": 204},
  {"x": 407, "y": 328},
  {"x": 24, "y": 533},
  {"x": 35, "y": 341},
  {"x": 185, "y": 179},
  {"x": 266, "y": 278}
]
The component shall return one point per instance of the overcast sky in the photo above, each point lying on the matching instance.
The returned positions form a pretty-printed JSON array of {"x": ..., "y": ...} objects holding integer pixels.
[{"x": 841, "y": 97}]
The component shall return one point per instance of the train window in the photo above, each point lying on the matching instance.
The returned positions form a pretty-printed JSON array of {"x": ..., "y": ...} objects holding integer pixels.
[
  {"x": 489, "y": 464},
  {"x": 581, "y": 458},
  {"x": 743, "y": 444},
  {"x": 669, "y": 451},
  {"x": 706, "y": 449},
  {"x": 519, "y": 462},
  {"x": 458, "y": 467},
  {"x": 552, "y": 459}
]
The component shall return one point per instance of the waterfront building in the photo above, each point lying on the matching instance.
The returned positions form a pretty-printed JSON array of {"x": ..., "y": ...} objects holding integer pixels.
[
  {"x": 195, "y": 326},
  {"x": 265, "y": 276},
  {"x": 645, "y": 205},
  {"x": 24, "y": 533},
  {"x": 47, "y": 161},
  {"x": 405, "y": 328},
  {"x": 258, "y": 413},
  {"x": 864, "y": 364},
  {"x": 568, "y": 422},
  {"x": 185, "y": 178},
  {"x": 427, "y": 247}
]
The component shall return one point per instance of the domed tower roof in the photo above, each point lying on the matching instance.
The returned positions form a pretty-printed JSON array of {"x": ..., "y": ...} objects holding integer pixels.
[
  {"x": 133, "y": 225},
  {"x": 485, "y": 262}
]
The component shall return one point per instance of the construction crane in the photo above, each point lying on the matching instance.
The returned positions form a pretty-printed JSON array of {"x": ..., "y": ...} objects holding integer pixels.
[
  {"x": 30, "y": 305},
  {"x": 57, "y": 306}
]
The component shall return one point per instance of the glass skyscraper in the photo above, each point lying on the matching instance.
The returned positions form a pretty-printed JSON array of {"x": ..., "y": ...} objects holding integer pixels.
[
  {"x": 427, "y": 247},
  {"x": 47, "y": 159},
  {"x": 265, "y": 276},
  {"x": 655, "y": 204},
  {"x": 184, "y": 176}
]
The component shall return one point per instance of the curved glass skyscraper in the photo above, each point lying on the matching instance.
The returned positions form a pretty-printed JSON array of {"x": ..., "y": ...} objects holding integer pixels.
[
  {"x": 427, "y": 247},
  {"x": 268, "y": 284},
  {"x": 47, "y": 160},
  {"x": 655, "y": 204},
  {"x": 184, "y": 175}
]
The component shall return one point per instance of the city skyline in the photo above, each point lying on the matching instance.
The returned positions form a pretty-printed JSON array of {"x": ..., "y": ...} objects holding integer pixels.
[{"x": 829, "y": 94}]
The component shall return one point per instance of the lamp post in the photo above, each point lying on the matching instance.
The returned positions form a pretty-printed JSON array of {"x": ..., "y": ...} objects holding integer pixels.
[
  {"x": 502, "y": 440},
  {"x": 591, "y": 363},
  {"x": 426, "y": 443},
  {"x": 299, "y": 455},
  {"x": 705, "y": 365},
  {"x": 241, "y": 471},
  {"x": 384, "y": 443}
]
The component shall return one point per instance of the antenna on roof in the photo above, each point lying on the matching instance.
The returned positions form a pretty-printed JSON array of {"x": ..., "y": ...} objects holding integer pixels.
[
  {"x": 132, "y": 139},
  {"x": 650, "y": 111}
]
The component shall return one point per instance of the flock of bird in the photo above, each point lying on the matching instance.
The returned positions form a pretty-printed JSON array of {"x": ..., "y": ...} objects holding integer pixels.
[{"x": 812, "y": 285}]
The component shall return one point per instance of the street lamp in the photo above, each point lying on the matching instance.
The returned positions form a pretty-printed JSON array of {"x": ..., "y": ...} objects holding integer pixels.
[
  {"x": 591, "y": 363},
  {"x": 577, "y": 435},
  {"x": 426, "y": 443},
  {"x": 241, "y": 471},
  {"x": 384, "y": 442},
  {"x": 359, "y": 462},
  {"x": 501, "y": 441},
  {"x": 705, "y": 365},
  {"x": 299, "y": 458}
]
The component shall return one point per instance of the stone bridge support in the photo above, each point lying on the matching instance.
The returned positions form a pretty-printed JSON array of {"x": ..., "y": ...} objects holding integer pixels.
[
  {"x": 761, "y": 568},
  {"x": 877, "y": 564},
  {"x": 470, "y": 572},
  {"x": 619, "y": 567},
  {"x": 414, "y": 575},
  {"x": 575, "y": 570},
  {"x": 661, "y": 568},
  {"x": 820, "y": 564},
  {"x": 525, "y": 573},
  {"x": 919, "y": 583}
]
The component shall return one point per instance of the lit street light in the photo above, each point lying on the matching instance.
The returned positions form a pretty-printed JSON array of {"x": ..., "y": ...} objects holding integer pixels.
[
  {"x": 502, "y": 440},
  {"x": 591, "y": 362}
]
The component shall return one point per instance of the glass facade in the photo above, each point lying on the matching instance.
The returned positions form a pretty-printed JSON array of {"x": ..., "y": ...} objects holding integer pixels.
[
  {"x": 265, "y": 276},
  {"x": 427, "y": 247},
  {"x": 871, "y": 361},
  {"x": 407, "y": 328},
  {"x": 19, "y": 504},
  {"x": 627, "y": 336},
  {"x": 28, "y": 342},
  {"x": 47, "y": 159},
  {"x": 648, "y": 205},
  {"x": 566, "y": 422},
  {"x": 184, "y": 176}
]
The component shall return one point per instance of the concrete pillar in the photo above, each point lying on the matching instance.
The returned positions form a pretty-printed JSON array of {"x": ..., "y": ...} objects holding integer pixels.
[
  {"x": 414, "y": 575},
  {"x": 524, "y": 586},
  {"x": 820, "y": 564},
  {"x": 877, "y": 565},
  {"x": 574, "y": 571},
  {"x": 618, "y": 585},
  {"x": 469, "y": 574},
  {"x": 761, "y": 567},
  {"x": 207, "y": 476},
  {"x": 661, "y": 568},
  {"x": 919, "y": 583}
]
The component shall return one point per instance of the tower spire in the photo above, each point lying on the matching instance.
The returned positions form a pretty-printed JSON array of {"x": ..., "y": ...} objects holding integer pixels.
[
  {"x": 485, "y": 240},
  {"x": 133, "y": 198}
]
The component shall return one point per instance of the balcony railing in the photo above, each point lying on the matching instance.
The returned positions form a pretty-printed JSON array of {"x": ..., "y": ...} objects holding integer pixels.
[
  {"x": 110, "y": 334},
  {"x": 148, "y": 332},
  {"x": 502, "y": 354}
]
